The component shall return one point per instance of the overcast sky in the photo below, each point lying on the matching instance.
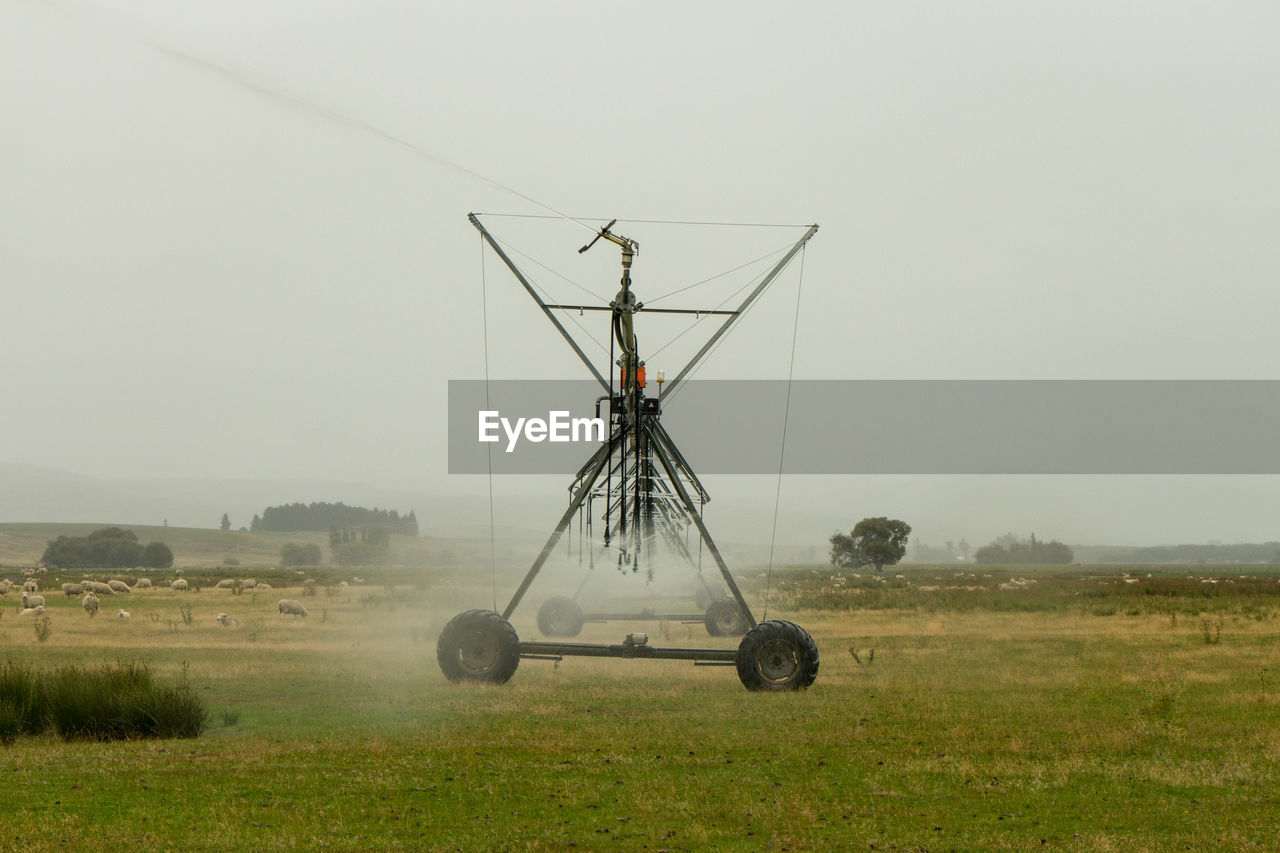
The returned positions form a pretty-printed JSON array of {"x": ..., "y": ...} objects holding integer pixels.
[{"x": 231, "y": 245}]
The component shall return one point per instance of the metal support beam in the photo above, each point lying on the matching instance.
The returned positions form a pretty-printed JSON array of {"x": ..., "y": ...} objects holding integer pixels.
[
  {"x": 641, "y": 309},
  {"x": 493, "y": 244},
  {"x": 623, "y": 650},
  {"x": 674, "y": 476},
  {"x": 601, "y": 458},
  {"x": 720, "y": 333},
  {"x": 690, "y": 618}
]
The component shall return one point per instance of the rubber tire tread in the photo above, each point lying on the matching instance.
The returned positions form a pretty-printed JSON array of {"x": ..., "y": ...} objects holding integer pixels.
[
  {"x": 470, "y": 620},
  {"x": 765, "y": 632},
  {"x": 712, "y": 621},
  {"x": 547, "y": 610}
]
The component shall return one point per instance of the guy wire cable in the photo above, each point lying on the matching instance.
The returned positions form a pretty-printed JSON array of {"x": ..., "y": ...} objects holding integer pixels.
[{"x": 782, "y": 452}]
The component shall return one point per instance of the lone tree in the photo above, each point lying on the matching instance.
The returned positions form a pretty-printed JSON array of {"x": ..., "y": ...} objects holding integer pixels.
[
  {"x": 226, "y": 521},
  {"x": 875, "y": 542}
]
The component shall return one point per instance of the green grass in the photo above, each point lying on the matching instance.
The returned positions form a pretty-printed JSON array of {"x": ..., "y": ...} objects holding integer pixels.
[{"x": 973, "y": 728}]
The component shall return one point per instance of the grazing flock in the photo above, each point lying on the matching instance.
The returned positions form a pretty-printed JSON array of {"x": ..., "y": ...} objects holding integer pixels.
[{"x": 91, "y": 592}]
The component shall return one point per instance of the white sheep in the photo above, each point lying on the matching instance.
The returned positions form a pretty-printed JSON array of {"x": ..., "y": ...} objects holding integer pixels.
[
  {"x": 90, "y": 603},
  {"x": 119, "y": 586},
  {"x": 225, "y": 583},
  {"x": 143, "y": 583},
  {"x": 179, "y": 585},
  {"x": 248, "y": 583},
  {"x": 30, "y": 586},
  {"x": 71, "y": 590},
  {"x": 32, "y": 611},
  {"x": 122, "y": 614},
  {"x": 228, "y": 621},
  {"x": 5, "y": 585},
  {"x": 98, "y": 588},
  {"x": 32, "y": 600},
  {"x": 263, "y": 585},
  {"x": 291, "y": 607}
]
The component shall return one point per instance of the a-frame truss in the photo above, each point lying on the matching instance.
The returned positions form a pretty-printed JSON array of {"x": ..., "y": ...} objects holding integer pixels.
[{"x": 650, "y": 491}]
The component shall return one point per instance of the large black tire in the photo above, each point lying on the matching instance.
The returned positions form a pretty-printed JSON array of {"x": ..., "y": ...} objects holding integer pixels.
[
  {"x": 777, "y": 655},
  {"x": 725, "y": 619},
  {"x": 560, "y": 617},
  {"x": 478, "y": 645}
]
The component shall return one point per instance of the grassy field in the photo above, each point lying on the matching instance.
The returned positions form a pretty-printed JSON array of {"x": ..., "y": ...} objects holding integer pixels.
[{"x": 1078, "y": 712}]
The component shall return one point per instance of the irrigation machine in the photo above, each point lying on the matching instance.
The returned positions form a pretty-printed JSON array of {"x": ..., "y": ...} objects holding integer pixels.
[{"x": 649, "y": 494}]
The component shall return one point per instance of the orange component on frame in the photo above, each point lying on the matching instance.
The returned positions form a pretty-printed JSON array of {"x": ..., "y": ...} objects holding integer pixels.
[{"x": 639, "y": 376}]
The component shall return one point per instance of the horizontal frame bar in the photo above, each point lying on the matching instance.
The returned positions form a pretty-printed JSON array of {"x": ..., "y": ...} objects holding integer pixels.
[
  {"x": 624, "y": 650},
  {"x": 642, "y": 309}
]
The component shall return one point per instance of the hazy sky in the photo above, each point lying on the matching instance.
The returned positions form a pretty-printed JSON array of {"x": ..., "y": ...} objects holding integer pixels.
[{"x": 203, "y": 279}]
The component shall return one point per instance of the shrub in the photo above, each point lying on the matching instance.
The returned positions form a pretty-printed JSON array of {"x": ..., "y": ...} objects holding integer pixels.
[
  {"x": 9, "y": 722},
  {"x": 22, "y": 705},
  {"x": 298, "y": 554},
  {"x": 169, "y": 712},
  {"x": 156, "y": 555},
  {"x": 122, "y": 701}
]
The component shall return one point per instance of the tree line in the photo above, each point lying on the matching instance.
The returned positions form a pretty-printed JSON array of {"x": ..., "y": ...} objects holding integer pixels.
[
  {"x": 326, "y": 516},
  {"x": 107, "y": 548},
  {"x": 1009, "y": 549}
]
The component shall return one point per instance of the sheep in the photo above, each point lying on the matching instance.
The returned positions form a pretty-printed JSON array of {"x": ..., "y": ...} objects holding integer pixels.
[
  {"x": 119, "y": 586},
  {"x": 98, "y": 588},
  {"x": 5, "y": 585},
  {"x": 143, "y": 583},
  {"x": 30, "y": 586},
  {"x": 32, "y": 611},
  {"x": 179, "y": 585},
  {"x": 225, "y": 583},
  {"x": 71, "y": 590},
  {"x": 90, "y": 603},
  {"x": 122, "y": 614},
  {"x": 291, "y": 606},
  {"x": 228, "y": 621},
  {"x": 263, "y": 585},
  {"x": 32, "y": 600},
  {"x": 248, "y": 583}
]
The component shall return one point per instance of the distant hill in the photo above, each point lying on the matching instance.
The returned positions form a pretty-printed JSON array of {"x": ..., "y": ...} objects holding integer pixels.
[{"x": 29, "y": 493}]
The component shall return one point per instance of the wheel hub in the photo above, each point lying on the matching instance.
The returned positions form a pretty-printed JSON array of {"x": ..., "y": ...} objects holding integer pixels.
[
  {"x": 561, "y": 620},
  {"x": 478, "y": 651},
  {"x": 777, "y": 661}
]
